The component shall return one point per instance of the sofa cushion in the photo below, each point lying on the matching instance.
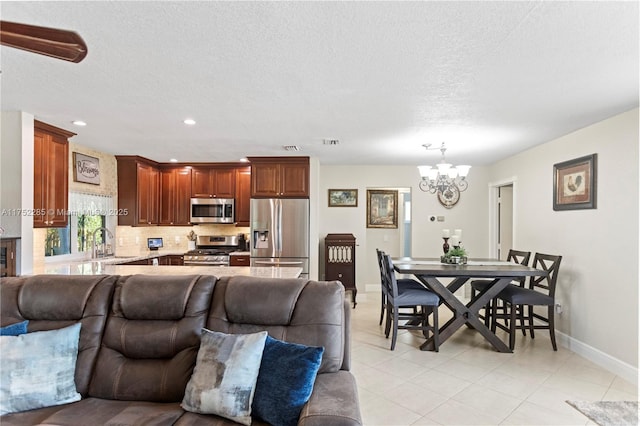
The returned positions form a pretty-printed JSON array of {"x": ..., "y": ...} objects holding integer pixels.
[
  {"x": 300, "y": 311},
  {"x": 52, "y": 302},
  {"x": 148, "y": 356},
  {"x": 38, "y": 369},
  {"x": 142, "y": 297},
  {"x": 14, "y": 329},
  {"x": 224, "y": 379},
  {"x": 95, "y": 411},
  {"x": 285, "y": 381}
]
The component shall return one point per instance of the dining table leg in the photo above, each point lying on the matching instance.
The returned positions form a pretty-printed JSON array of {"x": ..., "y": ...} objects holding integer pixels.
[{"x": 464, "y": 314}]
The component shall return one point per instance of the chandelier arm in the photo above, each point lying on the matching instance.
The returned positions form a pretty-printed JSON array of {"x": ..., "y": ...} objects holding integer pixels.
[
  {"x": 462, "y": 185},
  {"x": 426, "y": 186}
]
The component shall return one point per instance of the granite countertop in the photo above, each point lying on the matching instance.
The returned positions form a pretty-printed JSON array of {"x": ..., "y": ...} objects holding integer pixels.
[
  {"x": 114, "y": 266},
  {"x": 107, "y": 267}
]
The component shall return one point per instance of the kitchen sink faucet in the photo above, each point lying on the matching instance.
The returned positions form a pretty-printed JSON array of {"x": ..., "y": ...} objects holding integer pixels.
[{"x": 94, "y": 253}]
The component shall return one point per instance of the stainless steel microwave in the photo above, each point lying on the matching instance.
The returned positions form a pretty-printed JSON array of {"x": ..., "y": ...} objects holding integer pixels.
[{"x": 212, "y": 210}]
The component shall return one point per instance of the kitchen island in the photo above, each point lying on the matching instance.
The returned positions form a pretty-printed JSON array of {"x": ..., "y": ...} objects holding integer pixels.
[{"x": 107, "y": 268}]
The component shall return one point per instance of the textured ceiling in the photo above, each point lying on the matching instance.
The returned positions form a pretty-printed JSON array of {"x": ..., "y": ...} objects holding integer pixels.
[{"x": 489, "y": 78}]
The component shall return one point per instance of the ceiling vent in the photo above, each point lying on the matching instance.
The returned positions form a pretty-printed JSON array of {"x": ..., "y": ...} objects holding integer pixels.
[
  {"x": 330, "y": 142},
  {"x": 291, "y": 148}
]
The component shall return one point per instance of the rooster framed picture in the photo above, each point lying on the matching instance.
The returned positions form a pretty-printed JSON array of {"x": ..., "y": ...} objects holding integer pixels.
[{"x": 575, "y": 183}]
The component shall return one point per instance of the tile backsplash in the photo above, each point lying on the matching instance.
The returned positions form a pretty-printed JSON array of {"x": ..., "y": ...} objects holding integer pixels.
[{"x": 132, "y": 241}]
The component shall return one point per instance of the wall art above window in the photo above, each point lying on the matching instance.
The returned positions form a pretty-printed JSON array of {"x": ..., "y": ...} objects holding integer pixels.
[{"x": 86, "y": 169}]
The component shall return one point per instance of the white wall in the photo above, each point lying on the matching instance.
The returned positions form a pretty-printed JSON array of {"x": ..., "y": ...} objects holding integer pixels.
[
  {"x": 470, "y": 215},
  {"x": 16, "y": 182},
  {"x": 10, "y": 172},
  {"x": 598, "y": 278}
]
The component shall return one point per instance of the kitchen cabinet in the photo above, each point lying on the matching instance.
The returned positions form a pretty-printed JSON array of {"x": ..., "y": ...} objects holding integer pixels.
[
  {"x": 213, "y": 182},
  {"x": 140, "y": 262},
  {"x": 279, "y": 177},
  {"x": 175, "y": 196},
  {"x": 243, "y": 196},
  {"x": 239, "y": 260},
  {"x": 51, "y": 176},
  {"x": 174, "y": 260},
  {"x": 138, "y": 191},
  {"x": 340, "y": 261},
  {"x": 7, "y": 257}
]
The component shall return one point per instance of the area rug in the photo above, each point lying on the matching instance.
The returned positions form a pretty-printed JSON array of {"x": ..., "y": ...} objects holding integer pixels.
[{"x": 609, "y": 413}]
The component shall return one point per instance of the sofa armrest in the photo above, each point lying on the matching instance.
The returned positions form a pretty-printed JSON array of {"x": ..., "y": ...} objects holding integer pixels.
[{"x": 334, "y": 401}]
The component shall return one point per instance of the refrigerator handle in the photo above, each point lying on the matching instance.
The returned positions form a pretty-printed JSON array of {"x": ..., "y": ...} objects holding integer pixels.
[{"x": 279, "y": 225}]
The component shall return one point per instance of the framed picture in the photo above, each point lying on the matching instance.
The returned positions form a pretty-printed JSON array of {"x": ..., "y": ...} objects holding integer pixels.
[
  {"x": 343, "y": 198},
  {"x": 86, "y": 169},
  {"x": 575, "y": 184},
  {"x": 382, "y": 208}
]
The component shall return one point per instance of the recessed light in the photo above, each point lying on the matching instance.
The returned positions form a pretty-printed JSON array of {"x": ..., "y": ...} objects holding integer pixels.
[
  {"x": 244, "y": 160},
  {"x": 173, "y": 160},
  {"x": 79, "y": 123},
  {"x": 189, "y": 121}
]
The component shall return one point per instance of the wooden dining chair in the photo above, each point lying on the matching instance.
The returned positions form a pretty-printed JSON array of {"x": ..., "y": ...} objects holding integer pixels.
[
  {"x": 541, "y": 291},
  {"x": 414, "y": 298},
  {"x": 403, "y": 284},
  {"x": 515, "y": 256}
]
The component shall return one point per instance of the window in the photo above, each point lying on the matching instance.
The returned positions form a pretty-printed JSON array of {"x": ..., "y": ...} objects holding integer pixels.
[{"x": 87, "y": 213}]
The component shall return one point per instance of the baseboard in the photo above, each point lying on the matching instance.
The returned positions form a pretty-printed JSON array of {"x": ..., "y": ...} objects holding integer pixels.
[{"x": 606, "y": 361}]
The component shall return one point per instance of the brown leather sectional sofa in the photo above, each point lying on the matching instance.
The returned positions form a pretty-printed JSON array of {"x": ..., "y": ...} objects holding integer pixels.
[{"x": 140, "y": 336}]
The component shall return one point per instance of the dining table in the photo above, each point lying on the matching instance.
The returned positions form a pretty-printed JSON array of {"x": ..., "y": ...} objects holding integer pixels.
[{"x": 431, "y": 272}]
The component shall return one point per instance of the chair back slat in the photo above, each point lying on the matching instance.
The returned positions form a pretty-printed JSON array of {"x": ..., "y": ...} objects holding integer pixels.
[
  {"x": 550, "y": 264},
  {"x": 517, "y": 256},
  {"x": 522, "y": 258},
  {"x": 390, "y": 277}
]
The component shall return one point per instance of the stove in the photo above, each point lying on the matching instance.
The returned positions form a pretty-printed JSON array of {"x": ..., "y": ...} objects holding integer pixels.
[{"x": 212, "y": 250}]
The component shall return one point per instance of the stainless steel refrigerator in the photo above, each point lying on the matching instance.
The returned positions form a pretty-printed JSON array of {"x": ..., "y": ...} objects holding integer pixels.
[{"x": 280, "y": 233}]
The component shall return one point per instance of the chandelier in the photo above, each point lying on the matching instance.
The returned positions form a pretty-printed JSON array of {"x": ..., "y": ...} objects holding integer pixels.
[{"x": 444, "y": 179}]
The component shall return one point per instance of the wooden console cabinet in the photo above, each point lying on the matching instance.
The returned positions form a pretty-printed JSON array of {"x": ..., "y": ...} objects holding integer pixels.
[
  {"x": 340, "y": 261},
  {"x": 7, "y": 257}
]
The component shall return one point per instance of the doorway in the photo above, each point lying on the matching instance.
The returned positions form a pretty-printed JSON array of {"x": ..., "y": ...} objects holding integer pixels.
[{"x": 502, "y": 216}]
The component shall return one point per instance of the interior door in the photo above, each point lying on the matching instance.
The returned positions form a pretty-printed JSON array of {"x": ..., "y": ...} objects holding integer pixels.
[{"x": 505, "y": 220}]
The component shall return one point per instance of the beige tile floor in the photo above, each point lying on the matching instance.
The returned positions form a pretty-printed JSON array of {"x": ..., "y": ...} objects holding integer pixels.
[{"x": 467, "y": 382}]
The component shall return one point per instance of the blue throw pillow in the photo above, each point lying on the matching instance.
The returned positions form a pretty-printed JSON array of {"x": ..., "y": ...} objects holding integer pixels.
[
  {"x": 285, "y": 381},
  {"x": 14, "y": 329}
]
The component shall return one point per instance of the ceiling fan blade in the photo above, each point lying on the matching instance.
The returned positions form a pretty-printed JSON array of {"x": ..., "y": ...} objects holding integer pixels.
[{"x": 61, "y": 44}]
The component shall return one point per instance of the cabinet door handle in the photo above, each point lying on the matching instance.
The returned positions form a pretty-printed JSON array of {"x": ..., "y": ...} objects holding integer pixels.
[
  {"x": 339, "y": 275},
  {"x": 11, "y": 255}
]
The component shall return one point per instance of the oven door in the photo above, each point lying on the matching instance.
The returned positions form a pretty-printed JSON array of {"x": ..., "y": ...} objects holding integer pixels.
[{"x": 212, "y": 210}]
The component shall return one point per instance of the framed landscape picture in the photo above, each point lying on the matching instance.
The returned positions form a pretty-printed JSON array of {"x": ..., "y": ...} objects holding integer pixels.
[
  {"x": 575, "y": 183},
  {"x": 382, "y": 208},
  {"x": 343, "y": 198}
]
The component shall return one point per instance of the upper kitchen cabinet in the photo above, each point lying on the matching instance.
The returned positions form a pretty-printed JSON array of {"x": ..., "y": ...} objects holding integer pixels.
[
  {"x": 138, "y": 191},
  {"x": 279, "y": 177},
  {"x": 213, "y": 182},
  {"x": 243, "y": 196},
  {"x": 51, "y": 176},
  {"x": 175, "y": 195}
]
